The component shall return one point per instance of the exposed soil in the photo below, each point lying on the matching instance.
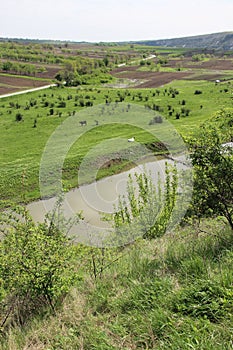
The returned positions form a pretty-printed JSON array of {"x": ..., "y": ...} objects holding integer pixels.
[
  {"x": 212, "y": 68},
  {"x": 9, "y": 84},
  {"x": 213, "y": 64},
  {"x": 208, "y": 77},
  {"x": 151, "y": 79},
  {"x": 187, "y": 62},
  {"x": 50, "y": 72},
  {"x": 7, "y": 90}
]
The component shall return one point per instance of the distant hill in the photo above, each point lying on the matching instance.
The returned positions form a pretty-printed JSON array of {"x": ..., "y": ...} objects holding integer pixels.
[
  {"x": 40, "y": 41},
  {"x": 218, "y": 41}
]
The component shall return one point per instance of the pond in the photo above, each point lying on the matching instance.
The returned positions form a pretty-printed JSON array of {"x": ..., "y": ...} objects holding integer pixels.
[{"x": 101, "y": 197}]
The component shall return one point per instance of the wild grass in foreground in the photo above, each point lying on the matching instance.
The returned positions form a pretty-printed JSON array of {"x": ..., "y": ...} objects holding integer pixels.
[{"x": 174, "y": 292}]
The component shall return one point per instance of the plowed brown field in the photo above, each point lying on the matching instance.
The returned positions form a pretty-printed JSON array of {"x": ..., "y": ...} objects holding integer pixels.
[
  {"x": 9, "y": 84},
  {"x": 151, "y": 79}
]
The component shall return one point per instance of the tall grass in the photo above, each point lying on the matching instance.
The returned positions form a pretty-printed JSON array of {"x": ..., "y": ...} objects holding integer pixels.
[{"x": 174, "y": 292}]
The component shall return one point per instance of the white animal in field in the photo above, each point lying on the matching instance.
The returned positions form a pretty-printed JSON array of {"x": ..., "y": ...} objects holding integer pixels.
[{"x": 131, "y": 140}]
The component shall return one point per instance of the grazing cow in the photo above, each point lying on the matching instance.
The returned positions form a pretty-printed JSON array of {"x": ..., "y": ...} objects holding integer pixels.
[
  {"x": 83, "y": 122},
  {"x": 131, "y": 140}
]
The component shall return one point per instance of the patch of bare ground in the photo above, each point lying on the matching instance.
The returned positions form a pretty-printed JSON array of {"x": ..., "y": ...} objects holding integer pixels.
[
  {"x": 9, "y": 84},
  {"x": 151, "y": 79},
  {"x": 211, "y": 64},
  {"x": 206, "y": 76},
  {"x": 7, "y": 90}
]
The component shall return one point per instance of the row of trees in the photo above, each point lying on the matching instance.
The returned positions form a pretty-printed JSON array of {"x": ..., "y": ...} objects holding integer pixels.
[
  {"x": 73, "y": 72},
  {"x": 21, "y": 68}
]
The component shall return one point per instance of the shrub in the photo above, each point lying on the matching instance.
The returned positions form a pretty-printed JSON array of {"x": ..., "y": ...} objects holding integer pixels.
[
  {"x": 156, "y": 119},
  {"x": 213, "y": 188},
  {"x": 62, "y": 104},
  {"x": 89, "y": 104},
  {"x": 45, "y": 104},
  {"x": 18, "y": 117},
  {"x": 147, "y": 209},
  {"x": 35, "y": 265}
]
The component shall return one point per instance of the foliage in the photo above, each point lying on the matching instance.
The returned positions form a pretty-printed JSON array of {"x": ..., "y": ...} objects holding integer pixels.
[
  {"x": 145, "y": 300},
  {"x": 213, "y": 165},
  {"x": 35, "y": 263},
  {"x": 197, "y": 92},
  {"x": 206, "y": 299},
  {"x": 21, "y": 68},
  {"x": 147, "y": 208},
  {"x": 155, "y": 120},
  {"x": 198, "y": 57},
  {"x": 18, "y": 117}
]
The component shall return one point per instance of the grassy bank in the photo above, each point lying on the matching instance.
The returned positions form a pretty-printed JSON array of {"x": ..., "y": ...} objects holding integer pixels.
[{"x": 171, "y": 293}]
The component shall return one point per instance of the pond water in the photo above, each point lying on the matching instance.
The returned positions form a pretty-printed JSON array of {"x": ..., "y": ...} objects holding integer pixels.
[{"x": 100, "y": 197}]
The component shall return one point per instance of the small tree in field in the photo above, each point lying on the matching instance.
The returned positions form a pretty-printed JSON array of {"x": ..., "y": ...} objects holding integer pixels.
[
  {"x": 213, "y": 166},
  {"x": 18, "y": 117}
]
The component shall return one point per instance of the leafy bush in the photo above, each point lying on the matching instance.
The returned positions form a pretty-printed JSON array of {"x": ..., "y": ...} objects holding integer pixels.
[
  {"x": 155, "y": 120},
  {"x": 35, "y": 265},
  {"x": 62, "y": 104},
  {"x": 213, "y": 186},
  {"x": 147, "y": 209},
  {"x": 18, "y": 117}
]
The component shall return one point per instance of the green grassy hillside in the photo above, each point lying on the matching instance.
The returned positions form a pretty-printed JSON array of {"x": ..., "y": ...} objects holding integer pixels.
[{"x": 170, "y": 293}]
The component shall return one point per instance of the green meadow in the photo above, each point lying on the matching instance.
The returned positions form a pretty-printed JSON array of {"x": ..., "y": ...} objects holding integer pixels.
[{"x": 27, "y": 121}]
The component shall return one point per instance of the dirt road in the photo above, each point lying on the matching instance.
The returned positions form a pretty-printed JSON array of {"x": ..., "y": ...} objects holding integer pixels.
[{"x": 27, "y": 91}]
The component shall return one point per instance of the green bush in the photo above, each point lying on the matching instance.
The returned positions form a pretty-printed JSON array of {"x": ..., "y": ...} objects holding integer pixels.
[{"x": 35, "y": 265}]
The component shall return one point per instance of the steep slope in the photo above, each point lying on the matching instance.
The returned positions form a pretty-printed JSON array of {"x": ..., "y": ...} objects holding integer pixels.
[{"x": 219, "y": 41}]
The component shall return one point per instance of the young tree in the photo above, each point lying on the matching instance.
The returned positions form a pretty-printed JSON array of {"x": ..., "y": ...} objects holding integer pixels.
[
  {"x": 213, "y": 166},
  {"x": 147, "y": 210},
  {"x": 36, "y": 267}
]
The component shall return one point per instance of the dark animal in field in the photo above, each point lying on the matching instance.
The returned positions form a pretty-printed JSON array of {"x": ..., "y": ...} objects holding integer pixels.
[{"x": 83, "y": 122}]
